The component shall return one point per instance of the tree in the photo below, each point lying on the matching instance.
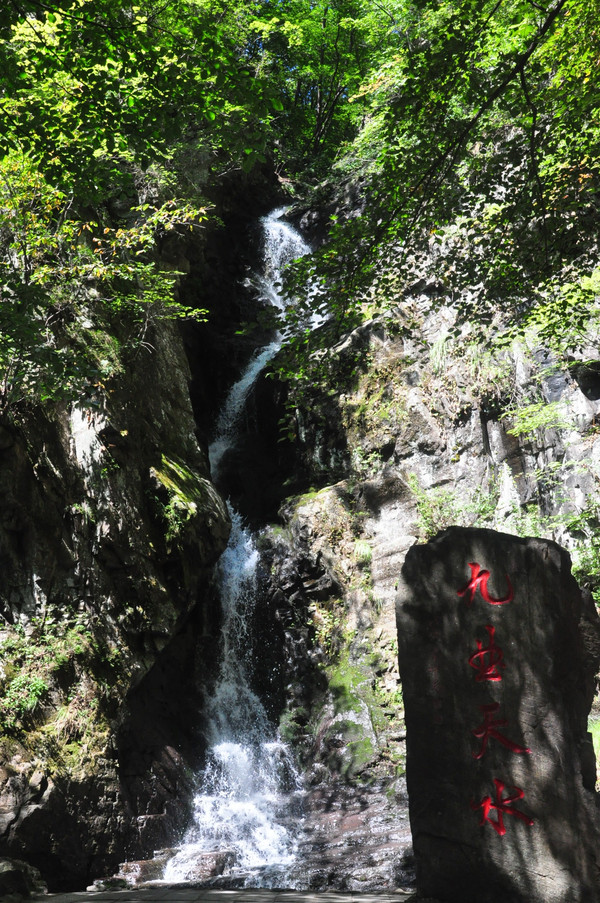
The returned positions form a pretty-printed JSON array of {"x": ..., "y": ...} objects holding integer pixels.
[
  {"x": 75, "y": 298},
  {"x": 92, "y": 92},
  {"x": 318, "y": 55},
  {"x": 88, "y": 84},
  {"x": 480, "y": 153}
]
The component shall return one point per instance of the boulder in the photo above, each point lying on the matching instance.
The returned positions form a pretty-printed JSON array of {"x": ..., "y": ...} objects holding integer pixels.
[
  {"x": 498, "y": 652},
  {"x": 197, "y": 865},
  {"x": 19, "y": 881},
  {"x": 208, "y": 865},
  {"x": 144, "y": 870}
]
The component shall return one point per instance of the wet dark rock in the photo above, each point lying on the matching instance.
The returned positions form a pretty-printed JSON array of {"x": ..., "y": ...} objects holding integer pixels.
[
  {"x": 587, "y": 375},
  {"x": 209, "y": 865},
  {"x": 108, "y": 884},
  {"x": 354, "y": 831},
  {"x": 19, "y": 881},
  {"x": 83, "y": 538},
  {"x": 6, "y": 438},
  {"x": 200, "y": 868},
  {"x": 92, "y": 827},
  {"x": 354, "y": 839}
]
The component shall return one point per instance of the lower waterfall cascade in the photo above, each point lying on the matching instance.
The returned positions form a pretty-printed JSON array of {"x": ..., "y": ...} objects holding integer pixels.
[{"x": 247, "y": 786}]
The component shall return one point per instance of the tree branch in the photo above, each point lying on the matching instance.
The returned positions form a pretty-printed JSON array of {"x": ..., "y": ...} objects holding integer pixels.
[
  {"x": 534, "y": 164},
  {"x": 437, "y": 171}
]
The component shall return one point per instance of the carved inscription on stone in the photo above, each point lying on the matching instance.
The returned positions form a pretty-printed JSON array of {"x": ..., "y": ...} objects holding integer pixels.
[{"x": 498, "y": 684}]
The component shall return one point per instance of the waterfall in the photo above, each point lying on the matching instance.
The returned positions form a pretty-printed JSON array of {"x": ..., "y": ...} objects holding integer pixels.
[
  {"x": 242, "y": 808},
  {"x": 234, "y": 405},
  {"x": 281, "y": 245}
]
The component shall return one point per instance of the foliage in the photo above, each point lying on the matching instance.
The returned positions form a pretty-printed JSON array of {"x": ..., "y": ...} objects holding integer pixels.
[
  {"x": 96, "y": 92},
  {"x": 363, "y": 553},
  {"x": 472, "y": 129},
  {"x": 90, "y": 84},
  {"x": 439, "y": 508},
  {"x": 585, "y": 527},
  {"x": 328, "y": 620},
  {"x": 92, "y": 93},
  {"x": 568, "y": 315},
  {"x": 23, "y": 695},
  {"x": 318, "y": 55},
  {"x": 479, "y": 155},
  {"x": 526, "y": 420},
  {"x": 594, "y": 729},
  {"x": 69, "y": 285},
  {"x": 51, "y": 662}
]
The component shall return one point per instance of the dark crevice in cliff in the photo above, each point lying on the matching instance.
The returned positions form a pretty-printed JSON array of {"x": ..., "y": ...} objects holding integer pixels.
[
  {"x": 218, "y": 281},
  {"x": 259, "y": 470}
]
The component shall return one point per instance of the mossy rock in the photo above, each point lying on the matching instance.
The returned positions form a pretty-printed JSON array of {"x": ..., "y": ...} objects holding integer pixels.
[
  {"x": 346, "y": 749},
  {"x": 349, "y": 683},
  {"x": 192, "y": 500}
]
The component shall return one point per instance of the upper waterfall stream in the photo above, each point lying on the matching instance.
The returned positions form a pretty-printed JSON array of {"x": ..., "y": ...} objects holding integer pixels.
[{"x": 246, "y": 790}]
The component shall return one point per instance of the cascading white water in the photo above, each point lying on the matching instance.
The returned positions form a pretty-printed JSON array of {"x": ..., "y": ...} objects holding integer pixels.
[
  {"x": 234, "y": 405},
  {"x": 281, "y": 245},
  {"x": 246, "y": 786}
]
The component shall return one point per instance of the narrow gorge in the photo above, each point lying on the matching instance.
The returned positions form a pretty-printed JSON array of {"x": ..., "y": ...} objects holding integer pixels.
[
  {"x": 286, "y": 291},
  {"x": 255, "y": 732},
  {"x": 261, "y": 768}
]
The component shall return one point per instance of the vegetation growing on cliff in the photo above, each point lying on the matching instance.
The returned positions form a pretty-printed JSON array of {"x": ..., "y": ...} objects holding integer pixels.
[
  {"x": 477, "y": 156},
  {"x": 471, "y": 128},
  {"x": 58, "y": 687},
  {"x": 78, "y": 295}
]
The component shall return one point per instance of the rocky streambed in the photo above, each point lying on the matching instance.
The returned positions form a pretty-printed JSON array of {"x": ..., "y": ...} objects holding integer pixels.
[{"x": 346, "y": 839}]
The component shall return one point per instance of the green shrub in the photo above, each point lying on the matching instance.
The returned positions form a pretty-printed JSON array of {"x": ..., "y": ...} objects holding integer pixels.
[{"x": 22, "y": 697}]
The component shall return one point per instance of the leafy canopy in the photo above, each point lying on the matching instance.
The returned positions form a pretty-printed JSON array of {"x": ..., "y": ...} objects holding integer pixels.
[
  {"x": 471, "y": 128},
  {"x": 92, "y": 92},
  {"x": 479, "y": 158}
]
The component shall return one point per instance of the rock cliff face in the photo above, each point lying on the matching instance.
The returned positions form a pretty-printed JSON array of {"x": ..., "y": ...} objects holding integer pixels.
[
  {"x": 110, "y": 527},
  {"x": 401, "y": 431},
  {"x": 109, "y": 531},
  {"x": 424, "y": 430}
]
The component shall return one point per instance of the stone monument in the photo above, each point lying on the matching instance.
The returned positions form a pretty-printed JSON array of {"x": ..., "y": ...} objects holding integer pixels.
[{"x": 498, "y": 652}]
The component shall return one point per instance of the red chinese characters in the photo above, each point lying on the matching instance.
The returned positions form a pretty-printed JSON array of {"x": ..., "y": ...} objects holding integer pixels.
[
  {"x": 479, "y": 580},
  {"x": 489, "y": 729},
  {"x": 488, "y": 664},
  {"x": 488, "y": 660},
  {"x": 502, "y": 807}
]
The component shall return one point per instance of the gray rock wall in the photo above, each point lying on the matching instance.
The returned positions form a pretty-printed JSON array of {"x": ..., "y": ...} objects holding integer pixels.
[{"x": 403, "y": 431}]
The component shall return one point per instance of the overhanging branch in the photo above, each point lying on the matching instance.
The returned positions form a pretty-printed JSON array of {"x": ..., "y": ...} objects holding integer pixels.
[{"x": 437, "y": 171}]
